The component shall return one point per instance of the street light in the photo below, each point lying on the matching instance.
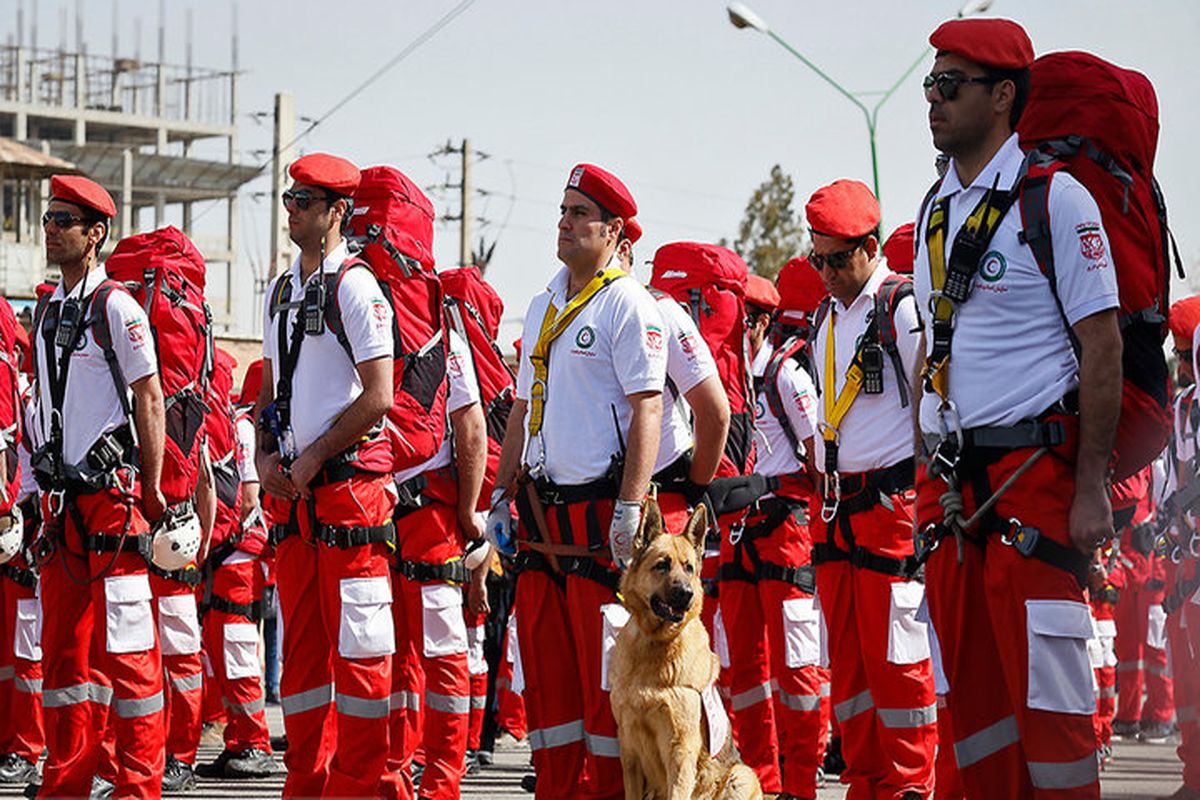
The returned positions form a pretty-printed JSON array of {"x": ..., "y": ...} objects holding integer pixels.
[{"x": 742, "y": 16}]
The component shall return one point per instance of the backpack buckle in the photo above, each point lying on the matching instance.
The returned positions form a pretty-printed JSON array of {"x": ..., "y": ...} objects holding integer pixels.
[
  {"x": 925, "y": 542},
  {"x": 1024, "y": 540}
]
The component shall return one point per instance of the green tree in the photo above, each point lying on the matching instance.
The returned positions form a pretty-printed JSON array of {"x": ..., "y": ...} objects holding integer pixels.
[{"x": 772, "y": 231}]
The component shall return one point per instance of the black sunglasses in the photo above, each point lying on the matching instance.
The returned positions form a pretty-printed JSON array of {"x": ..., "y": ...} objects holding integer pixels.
[
  {"x": 61, "y": 219},
  {"x": 303, "y": 198},
  {"x": 836, "y": 261},
  {"x": 948, "y": 83}
]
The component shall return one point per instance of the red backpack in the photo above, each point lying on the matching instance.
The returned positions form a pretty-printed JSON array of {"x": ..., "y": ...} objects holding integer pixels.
[
  {"x": 13, "y": 340},
  {"x": 474, "y": 311},
  {"x": 165, "y": 272},
  {"x": 393, "y": 221},
  {"x": 710, "y": 281},
  {"x": 221, "y": 433},
  {"x": 1099, "y": 122}
]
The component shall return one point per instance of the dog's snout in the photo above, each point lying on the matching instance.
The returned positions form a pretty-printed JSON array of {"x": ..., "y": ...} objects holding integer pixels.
[{"x": 680, "y": 596}]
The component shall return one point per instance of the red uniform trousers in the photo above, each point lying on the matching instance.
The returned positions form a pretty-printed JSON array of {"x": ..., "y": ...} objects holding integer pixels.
[
  {"x": 231, "y": 641},
  {"x": 334, "y": 604},
  {"x": 773, "y": 633},
  {"x": 1104, "y": 663},
  {"x": 21, "y": 729},
  {"x": 879, "y": 657},
  {"x": 101, "y": 657},
  {"x": 211, "y": 709},
  {"x": 477, "y": 666},
  {"x": 183, "y": 671},
  {"x": 510, "y": 682},
  {"x": 1183, "y": 634},
  {"x": 947, "y": 783},
  {"x": 1013, "y": 633},
  {"x": 1141, "y": 639},
  {"x": 430, "y": 690}
]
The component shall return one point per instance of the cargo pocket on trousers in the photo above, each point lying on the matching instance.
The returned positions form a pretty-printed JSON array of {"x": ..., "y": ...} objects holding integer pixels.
[
  {"x": 366, "y": 629},
  {"x": 1156, "y": 627},
  {"x": 1107, "y": 629},
  {"x": 1060, "y": 676},
  {"x": 908, "y": 637},
  {"x": 27, "y": 638},
  {"x": 128, "y": 618},
  {"x": 241, "y": 650},
  {"x": 178, "y": 625},
  {"x": 801, "y": 632},
  {"x": 614, "y": 617},
  {"x": 445, "y": 631}
]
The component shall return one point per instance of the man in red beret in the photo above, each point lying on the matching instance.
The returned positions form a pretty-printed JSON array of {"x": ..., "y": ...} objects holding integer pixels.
[
  {"x": 865, "y": 352},
  {"x": 581, "y": 445},
  {"x": 99, "y": 473},
  {"x": 326, "y": 474},
  {"x": 1003, "y": 387}
]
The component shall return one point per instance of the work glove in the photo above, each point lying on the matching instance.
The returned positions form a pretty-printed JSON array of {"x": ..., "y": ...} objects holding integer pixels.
[
  {"x": 627, "y": 515},
  {"x": 501, "y": 525}
]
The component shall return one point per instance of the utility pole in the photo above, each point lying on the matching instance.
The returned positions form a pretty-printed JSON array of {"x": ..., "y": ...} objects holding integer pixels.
[
  {"x": 282, "y": 153},
  {"x": 464, "y": 227}
]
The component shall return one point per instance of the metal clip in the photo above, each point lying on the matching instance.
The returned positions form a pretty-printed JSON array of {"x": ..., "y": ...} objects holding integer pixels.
[
  {"x": 925, "y": 542},
  {"x": 829, "y": 510},
  {"x": 1194, "y": 545},
  {"x": 1023, "y": 540},
  {"x": 56, "y": 501},
  {"x": 735, "y": 533}
]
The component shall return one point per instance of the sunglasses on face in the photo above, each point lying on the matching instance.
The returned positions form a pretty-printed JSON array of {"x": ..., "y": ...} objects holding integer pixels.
[
  {"x": 302, "y": 198},
  {"x": 835, "y": 261},
  {"x": 61, "y": 219},
  {"x": 948, "y": 83}
]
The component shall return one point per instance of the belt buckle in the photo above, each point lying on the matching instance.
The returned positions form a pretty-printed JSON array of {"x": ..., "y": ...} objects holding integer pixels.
[{"x": 1024, "y": 540}]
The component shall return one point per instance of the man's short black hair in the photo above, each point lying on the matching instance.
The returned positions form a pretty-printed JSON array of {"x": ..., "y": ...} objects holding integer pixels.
[
  {"x": 92, "y": 217},
  {"x": 1020, "y": 79}
]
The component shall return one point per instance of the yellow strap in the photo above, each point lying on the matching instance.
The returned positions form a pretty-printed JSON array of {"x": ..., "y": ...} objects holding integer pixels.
[
  {"x": 553, "y": 325},
  {"x": 836, "y": 409}
]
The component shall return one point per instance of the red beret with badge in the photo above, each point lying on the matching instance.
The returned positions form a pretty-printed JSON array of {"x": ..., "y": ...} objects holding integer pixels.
[
  {"x": 800, "y": 287},
  {"x": 844, "y": 209},
  {"x": 604, "y": 189},
  {"x": 1183, "y": 319},
  {"x": 329, "y": 172},
  {"x": 761, "y": 293},
  {"x": 997, "y": 43},
  {"x": 898, "y": 249},
  {"x": 83, "y": 192},
  {"x": 633, "y": 230}
]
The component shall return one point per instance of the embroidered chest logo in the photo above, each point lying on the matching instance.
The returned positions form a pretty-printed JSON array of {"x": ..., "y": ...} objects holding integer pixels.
[
  {"x": 585, "y": 338},
  {"x": 993, "y": 266}
]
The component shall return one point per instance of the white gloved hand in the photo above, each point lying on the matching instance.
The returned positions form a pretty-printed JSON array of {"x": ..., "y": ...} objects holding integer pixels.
[
  {"x": 627, "y": 515},
  {"x": 500, "y": 524}
]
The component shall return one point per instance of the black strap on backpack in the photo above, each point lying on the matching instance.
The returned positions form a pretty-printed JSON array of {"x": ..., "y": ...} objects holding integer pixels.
[{"x": 790, "y": 349}]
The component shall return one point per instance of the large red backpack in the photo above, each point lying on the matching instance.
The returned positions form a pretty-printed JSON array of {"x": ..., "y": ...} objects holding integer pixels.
[
  {"x": 220, "y": 430},
  {"x": 392, "y": 223},
  {"x": 14, "y": 344},
  {"x": 165, "y": 273},
  {"x": 474, "y": 310},
  {"x": 1099, "y": 122},
  {"x": 710, "y": 281}
]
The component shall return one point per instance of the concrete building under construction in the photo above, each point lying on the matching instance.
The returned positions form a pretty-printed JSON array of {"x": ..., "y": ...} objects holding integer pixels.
[{"x": 161, "y": 137}]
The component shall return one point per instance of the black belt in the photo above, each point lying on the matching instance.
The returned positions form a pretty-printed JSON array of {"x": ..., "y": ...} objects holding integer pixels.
[
  {"x": 189, "y": 576},
  {"x": 827, "y": 553},
  {"x": 803, "y": 576},
  {"x": 355, "y": 535},
  {"x": 19, "y": 576},
  {"x": 557, "y": 494},
  {"x": 422, "y": 571},
  {"x": 533, "y": 561},
  {"x": 897, "y": 478},
  {"x": 250, "y": 611},
  {"x": 111, "y": 543},
  {"x": 410, "y": 495},
  {"x": 579, "y": 566}
]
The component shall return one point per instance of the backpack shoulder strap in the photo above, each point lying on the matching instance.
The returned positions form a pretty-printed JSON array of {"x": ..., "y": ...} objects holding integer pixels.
[
  {"x": 887, "y": 299},
  {"x": 1033, "y": 199},
  {"x": 102, "y": 333},
  {"x": 929, "y": 197},
  {"x": 333, "y": 308},
  {"x": 788, "y": 350},
  {"x": 818, "y": 320}
]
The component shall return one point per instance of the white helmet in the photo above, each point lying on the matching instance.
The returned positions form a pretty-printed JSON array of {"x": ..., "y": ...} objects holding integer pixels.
[
  {"x": 477, "y": 551},
  {"x": 176, "y": 542},
  {"x": 12, "y": 534}
]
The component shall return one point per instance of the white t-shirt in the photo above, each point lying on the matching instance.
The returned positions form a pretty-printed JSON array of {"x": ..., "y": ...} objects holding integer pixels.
[
  {"x": 91, "y": 406},
  {"x": 614, "y": 347},
  {"x": 876, "y": 432},
  {"x": 799, "y": 398},
  {"x": 464, "y": 390},
  {"x": 246, "y": 443},
  {"x": 325, "y": 382},
  {"x": 1011, "y": 358},
  {"x": 689, "y": 363}
]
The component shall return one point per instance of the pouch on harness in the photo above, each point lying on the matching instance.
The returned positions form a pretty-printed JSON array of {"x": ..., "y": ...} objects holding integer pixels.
[
  {"x": 710, "y": 282},
  {"x": 474, "y": 310}
]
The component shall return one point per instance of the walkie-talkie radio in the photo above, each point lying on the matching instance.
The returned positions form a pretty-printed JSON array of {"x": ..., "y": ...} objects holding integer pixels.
[
  {"x": 872, "y": 368},
  {"x": 313, "y": 308},
  {"x": 68, "y": 323}
]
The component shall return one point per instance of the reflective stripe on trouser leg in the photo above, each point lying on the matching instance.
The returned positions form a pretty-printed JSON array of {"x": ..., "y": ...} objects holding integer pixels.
[
  {"x": 1131, "y": 619},
  {"x": 447, "y": 711},
  {"x": 1186, "y": 670},
  {"x": 478, "y": 709},
  {"x": 406, "y": 719},
  {"x": 184, "y": 705},
  {"x": 947, "y": 784},
  {"x": 749, "y": 671},
  {"x": 242, "y": 698},
  {"x": 20, "y": 681}
]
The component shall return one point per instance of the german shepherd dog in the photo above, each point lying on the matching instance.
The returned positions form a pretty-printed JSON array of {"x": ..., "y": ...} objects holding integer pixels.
[{"x": 675, "y": 738}]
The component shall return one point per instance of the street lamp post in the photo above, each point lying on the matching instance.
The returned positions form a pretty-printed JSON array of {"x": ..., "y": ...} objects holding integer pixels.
[{"x": 742, "y": 16}]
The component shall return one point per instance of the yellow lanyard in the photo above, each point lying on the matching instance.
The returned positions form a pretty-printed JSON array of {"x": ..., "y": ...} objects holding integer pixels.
[
  {"x": 553, "y": 325},
  {"x": 836, "y": 409}
]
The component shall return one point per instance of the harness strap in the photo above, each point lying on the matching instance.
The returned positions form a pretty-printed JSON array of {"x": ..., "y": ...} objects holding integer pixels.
[
  {"x": 189, "y": 576},
  {"x": 19, "y": 575},
  {"x": 356, "y": 535},
  {"x": 252, "y": 612},
  {"x": 422, "y": 571}
]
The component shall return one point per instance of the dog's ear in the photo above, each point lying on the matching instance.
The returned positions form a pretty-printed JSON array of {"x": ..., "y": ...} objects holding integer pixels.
[
  {"x": 649, "y": 528},
  {"x": 697, "y": 528}
]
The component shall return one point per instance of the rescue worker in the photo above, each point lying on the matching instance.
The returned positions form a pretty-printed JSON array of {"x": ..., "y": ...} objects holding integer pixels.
[
  {"x": 328, "y": 503},
  {"x": 436, "y": 522},
  {"x": 865, "y": 350},
  {"x": 767, "y": 582},
  {"x": 1003, "y": 390},
  {"x": 584, "y": 432},
  {"x": 100, "y": 647}
]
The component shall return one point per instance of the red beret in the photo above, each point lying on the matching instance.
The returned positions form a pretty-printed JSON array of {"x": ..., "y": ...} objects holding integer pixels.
[
  {"x": 844, "y": 209},
  {"x": 251, "y": 384},
  {"x": 604, "y": 189},
  {"x": 761, "y": 293},
  {"x": 898, "y": 249},
  {"x": 999, "y": 43},
  {"x": 633, "y": 230},
  {"x": 82, "y": 192},
  {"x": 329, "y": 172},
  {"x": 800, "y": 287},
  {"x": 1183, "y": 319}
]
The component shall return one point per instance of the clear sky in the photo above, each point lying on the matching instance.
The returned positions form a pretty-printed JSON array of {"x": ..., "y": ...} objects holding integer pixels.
[{"x": 690, "y": 112}]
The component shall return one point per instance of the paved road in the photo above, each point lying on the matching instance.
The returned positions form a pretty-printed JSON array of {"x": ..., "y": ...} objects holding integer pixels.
[{"x": 1139, "y": 772}]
